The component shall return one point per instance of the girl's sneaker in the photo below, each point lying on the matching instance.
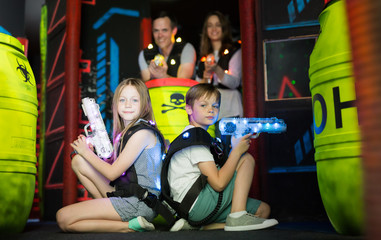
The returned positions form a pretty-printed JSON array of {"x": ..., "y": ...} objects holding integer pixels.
[{"x": 140, "y": 224}]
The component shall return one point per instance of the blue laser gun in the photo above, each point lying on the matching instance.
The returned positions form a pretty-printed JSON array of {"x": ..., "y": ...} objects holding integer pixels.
[{"x": 239, "y": 127}]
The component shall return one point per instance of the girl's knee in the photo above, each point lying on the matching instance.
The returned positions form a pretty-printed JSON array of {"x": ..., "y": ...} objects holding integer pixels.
[
  {"x": 77, "y": 163},
  {"x": 62, "y": 220}
]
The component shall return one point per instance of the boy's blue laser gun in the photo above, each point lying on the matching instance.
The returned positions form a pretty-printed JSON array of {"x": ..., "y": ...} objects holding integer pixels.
[{"x": 239, "y": 127}]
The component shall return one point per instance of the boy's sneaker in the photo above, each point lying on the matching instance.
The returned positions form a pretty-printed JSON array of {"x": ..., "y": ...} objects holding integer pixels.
[
  {"x": 182, "y": 225},
  {"x": 140, "y": 224},
  {"x": 248, "y": 222}
]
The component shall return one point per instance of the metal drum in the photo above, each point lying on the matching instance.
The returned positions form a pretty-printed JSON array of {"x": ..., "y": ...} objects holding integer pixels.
[
  {"x": 18, "y": 121},
  {"x": 337, "y": 135}
]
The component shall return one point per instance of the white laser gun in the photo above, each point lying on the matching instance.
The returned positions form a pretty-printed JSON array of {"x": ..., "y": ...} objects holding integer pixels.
[
  {"x": 239, "y": 127},
  {"x": 98, "y": 137}
]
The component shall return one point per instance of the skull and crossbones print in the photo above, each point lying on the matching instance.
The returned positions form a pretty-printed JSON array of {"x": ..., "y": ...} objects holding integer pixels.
[{"x": 177, "y": 99}]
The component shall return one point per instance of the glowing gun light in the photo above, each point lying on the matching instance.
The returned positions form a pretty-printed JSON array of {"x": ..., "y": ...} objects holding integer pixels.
[
  {"x": 159, "y": 60},
  {"x": 239, "y": 127}
]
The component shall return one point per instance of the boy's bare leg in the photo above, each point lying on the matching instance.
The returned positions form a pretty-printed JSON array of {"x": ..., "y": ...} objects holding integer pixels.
[
  {"x": 245, "y": 173},
  {"x": 214, "y": 226}
]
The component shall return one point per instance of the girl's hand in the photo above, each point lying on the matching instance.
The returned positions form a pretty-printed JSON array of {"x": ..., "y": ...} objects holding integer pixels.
[
  {"x": 80, "y": 145},
  {"x": 241, "y": 144}
]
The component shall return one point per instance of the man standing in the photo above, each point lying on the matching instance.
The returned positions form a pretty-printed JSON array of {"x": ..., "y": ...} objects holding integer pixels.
[{"x": 166, "y": 58}]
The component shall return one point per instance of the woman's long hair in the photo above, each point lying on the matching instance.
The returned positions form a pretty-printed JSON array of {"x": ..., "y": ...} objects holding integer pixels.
[{"x": 226, "y": 40}]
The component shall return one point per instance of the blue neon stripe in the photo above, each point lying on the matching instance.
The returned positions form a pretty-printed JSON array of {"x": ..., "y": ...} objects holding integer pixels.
[
  {"x": 3, "y": 30},
  {"x": 101, "y": 55},
  {"x": 292, "y": 169},
  {"x": 307, "y": 142},
  {"x": 101, "y": 38},
  {"x": 101, "y": 72},
  {"x": 101, "y": 82},
  {"x": 114, "y": 66},
  {"x": 301, "y": 5},
  {"x": 102, "y": 108},
  {"x": 102, "y": 64},
  {"x": 108, "y": 126},
  {"x": 101, "y": 91},
  {"x": 298, "y": 152},
  {"x": 292, "y": 25},
  {"x": 101, "y": 47},
  {"x": 291, "y": 11},
  {"x": 101, "y": 99},
  {"x": 112, "y": 11}
]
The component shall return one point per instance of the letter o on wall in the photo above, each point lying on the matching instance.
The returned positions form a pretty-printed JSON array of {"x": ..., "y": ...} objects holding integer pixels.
[{"x": 318, "y": 97}]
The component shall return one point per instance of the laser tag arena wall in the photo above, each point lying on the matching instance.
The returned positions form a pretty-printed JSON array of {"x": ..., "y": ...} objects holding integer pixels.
[
  {"x": 112, "y": 34},
  {"x": 105, "y": 44}
]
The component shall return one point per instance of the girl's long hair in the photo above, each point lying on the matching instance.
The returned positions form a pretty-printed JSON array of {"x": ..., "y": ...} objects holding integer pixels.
[{"x": 227, "y": 40}]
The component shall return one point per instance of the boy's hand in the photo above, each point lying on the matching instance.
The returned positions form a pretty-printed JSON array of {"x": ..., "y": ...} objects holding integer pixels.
[{"x": 241, "y": 144}]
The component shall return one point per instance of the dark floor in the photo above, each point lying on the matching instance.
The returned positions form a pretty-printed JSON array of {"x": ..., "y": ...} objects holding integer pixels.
[{"x": 286, "y": 230}]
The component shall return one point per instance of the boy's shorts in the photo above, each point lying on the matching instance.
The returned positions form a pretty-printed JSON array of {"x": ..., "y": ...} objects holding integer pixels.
[{"x": 207, "y": 201}]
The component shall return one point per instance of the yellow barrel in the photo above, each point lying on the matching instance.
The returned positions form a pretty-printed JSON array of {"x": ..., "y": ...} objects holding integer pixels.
[
  {"x": 18, "y": 120},
  {"x": 337, "y": 134},
  {"x": 168, "y": 103}
]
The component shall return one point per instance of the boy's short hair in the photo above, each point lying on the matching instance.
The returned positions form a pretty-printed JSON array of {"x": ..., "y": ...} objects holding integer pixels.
[{"x": 200, "y": 90}]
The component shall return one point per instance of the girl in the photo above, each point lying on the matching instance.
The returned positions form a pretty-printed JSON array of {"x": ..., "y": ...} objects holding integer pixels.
[
  {"x": 143, "y": 151},
  {"x": 221, "y": 65}
]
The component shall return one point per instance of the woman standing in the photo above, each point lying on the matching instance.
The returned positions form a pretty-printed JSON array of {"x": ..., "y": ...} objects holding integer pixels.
[{"x": 221, "y": 65}]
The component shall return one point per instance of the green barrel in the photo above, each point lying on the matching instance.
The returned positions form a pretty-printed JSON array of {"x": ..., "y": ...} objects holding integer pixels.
[
  {"x": 18, "y": 121},
  {"x": 337, "y": 135}
]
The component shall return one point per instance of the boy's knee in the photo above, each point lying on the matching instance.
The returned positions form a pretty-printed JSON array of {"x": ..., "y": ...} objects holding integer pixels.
[{"x": 248, "y": 160}]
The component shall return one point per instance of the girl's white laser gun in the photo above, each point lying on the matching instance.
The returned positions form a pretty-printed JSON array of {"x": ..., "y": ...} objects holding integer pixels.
[
  {"x": 239, "y": 127},
  {"x": 98, "y": 137}
]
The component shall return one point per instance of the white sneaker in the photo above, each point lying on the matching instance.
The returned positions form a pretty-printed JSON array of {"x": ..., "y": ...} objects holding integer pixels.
[
  {"x": 140, "y": 224},
  {"x": 248, "y": 222},
  {"x": 182, "y": 225}
]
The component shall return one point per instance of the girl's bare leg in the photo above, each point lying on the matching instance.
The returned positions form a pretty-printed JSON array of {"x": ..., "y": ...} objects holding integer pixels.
[
  {"x": 94, "y": 182},
  {"x": 96, "y": 215}
]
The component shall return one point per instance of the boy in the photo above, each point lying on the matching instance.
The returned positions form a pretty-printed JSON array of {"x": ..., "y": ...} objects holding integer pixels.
[{"x": 237, "y": 212}]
